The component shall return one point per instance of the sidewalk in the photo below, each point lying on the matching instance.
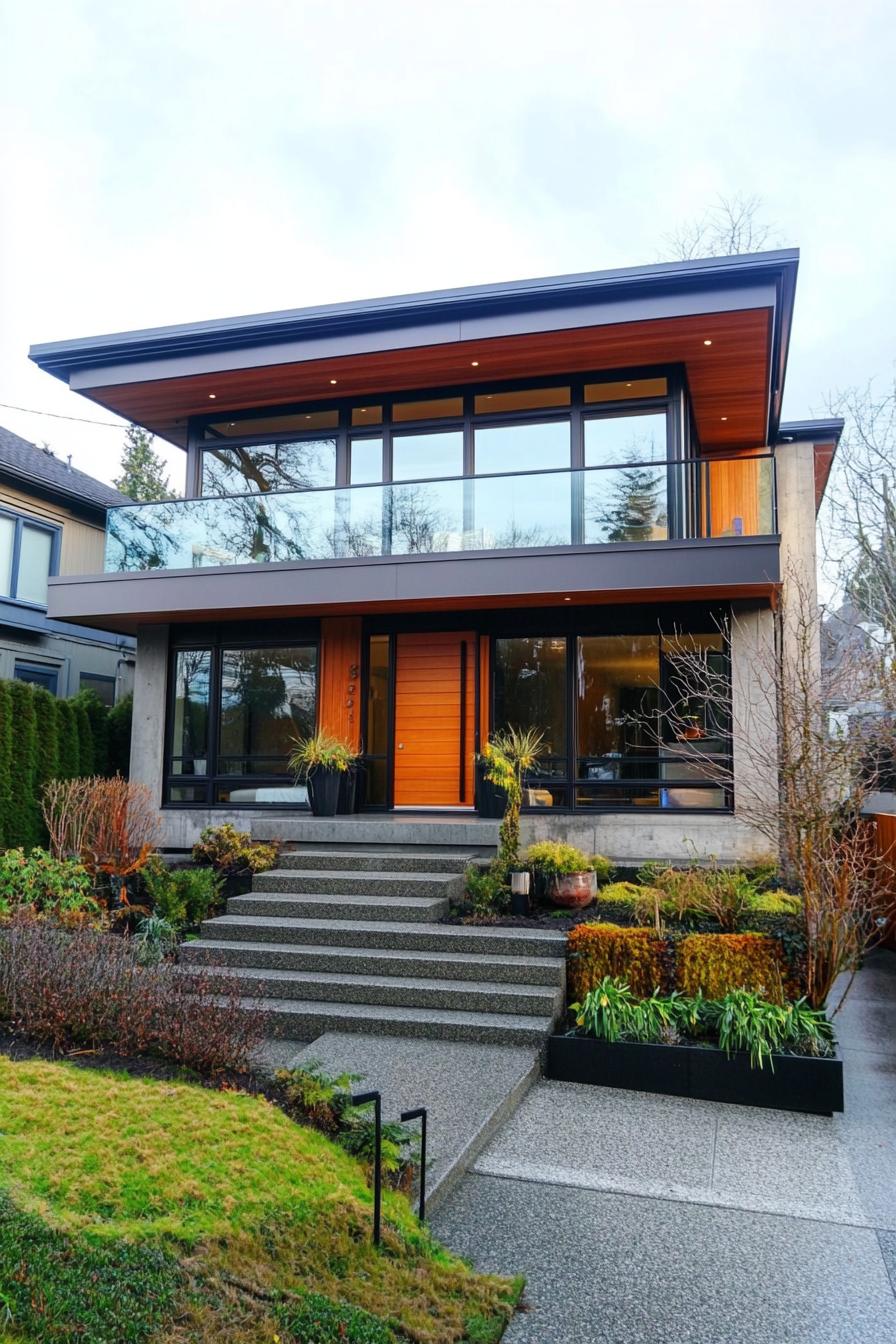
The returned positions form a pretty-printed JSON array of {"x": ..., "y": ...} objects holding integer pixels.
[{"x": 644, "y": 1218}]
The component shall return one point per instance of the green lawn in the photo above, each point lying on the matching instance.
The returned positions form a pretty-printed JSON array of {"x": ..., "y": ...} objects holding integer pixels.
[{"x": 152, "y": 1211}]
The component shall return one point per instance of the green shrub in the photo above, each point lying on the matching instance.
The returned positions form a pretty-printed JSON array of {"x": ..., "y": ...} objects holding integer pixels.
[
  {"x": 486, "y": 892},
  {"x": 69, "y": 746},
  {"x": 555, "y": 858},
  {"x": 182, "y": 896},
  {"x": 713, "y": 964},
  {"x": 776, "y": 902},
  {"x": 46, "y": 720},
  {"x": 85, "y": 736},
  {"x": 233, "y": 852},
  {"x": 155, "y": 939},
  {"x": 6, "y": 836},
  {"x": 638, "y": 955},
  {"x": 96, "y": 732},
  {"x": 54, "y": 888},
  {"x": 54, "y": 1286},
  {"x": 611, "y": 1012},
  {"x": 120, "y": 716},
  {"x": 24, "y": 824},
  {"x": 312, "y": 1318},
  {"x": 722, "y": 894}
]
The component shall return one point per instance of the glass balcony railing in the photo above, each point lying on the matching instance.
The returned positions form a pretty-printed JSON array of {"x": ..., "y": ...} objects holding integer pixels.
[{"x": 641, "y": 503}]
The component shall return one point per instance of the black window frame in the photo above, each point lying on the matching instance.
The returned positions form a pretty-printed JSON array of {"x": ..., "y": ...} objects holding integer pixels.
[
  {"x": 104, "y": 677},
  {"x": 216, "y": 641},
  {"x": 43, "y": 670},
  {"x": 675, "y": 400}
]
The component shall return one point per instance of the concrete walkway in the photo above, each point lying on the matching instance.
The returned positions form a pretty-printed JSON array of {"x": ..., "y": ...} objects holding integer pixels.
[{"x": 644, "y": 1218}]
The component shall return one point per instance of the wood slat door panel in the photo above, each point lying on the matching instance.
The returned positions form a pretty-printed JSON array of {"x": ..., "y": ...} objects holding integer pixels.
[{"x": 428, "y": 719}]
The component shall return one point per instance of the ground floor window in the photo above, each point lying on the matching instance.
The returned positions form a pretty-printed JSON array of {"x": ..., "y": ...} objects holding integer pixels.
[
  {"x": 627, "y": 720},
  {"x": 234, "y": 712},
  {"x": 38, "y": 674},
  {"x": 102, "y": 686}
]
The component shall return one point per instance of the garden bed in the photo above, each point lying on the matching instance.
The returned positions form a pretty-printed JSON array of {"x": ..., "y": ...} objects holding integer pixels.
[{"x": 702, "y": 1072}]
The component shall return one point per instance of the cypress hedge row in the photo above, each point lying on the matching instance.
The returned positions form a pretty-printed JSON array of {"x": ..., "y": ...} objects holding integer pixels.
[{"x": 44, "y": 738}]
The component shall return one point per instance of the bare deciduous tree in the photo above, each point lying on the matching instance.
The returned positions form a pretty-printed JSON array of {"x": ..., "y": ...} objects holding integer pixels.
[
  {"x": 799, "y": 785},
  {"x": 859, "y": 518},
  {"x": 732, "y": 225}
]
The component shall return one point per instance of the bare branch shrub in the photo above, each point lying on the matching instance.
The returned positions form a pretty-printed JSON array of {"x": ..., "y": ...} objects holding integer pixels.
[
  {"x": 86, "y": 988},
  {"x": 730, "y": 226},
  {"x": 112, "y": 825}
]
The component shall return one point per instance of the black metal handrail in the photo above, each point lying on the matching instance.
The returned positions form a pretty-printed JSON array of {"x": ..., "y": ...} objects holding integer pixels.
[
  {"x": 419, "y": 1113},
  {"x": 365, "y": 1099}
]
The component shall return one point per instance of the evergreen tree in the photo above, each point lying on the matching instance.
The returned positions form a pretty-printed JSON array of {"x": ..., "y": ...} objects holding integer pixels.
[
  {"x": 23, "y": 817},
  {"x": 69, "y": 745},
  {"x": 636, "y": 508},
  {"x": 6, "y": 739},
  {"x": 143, "y": 475},
  {"x": 120, "y": 717}
]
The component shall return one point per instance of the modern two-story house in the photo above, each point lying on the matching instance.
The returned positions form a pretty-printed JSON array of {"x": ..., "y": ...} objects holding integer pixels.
[
  {"x": 52, "y": 522},
  {"x": 415, "y": 520}
]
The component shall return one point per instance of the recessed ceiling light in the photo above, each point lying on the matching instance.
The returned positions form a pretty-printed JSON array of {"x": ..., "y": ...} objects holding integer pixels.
[
  {"x": 724, "y": 417},
  {"x": 628, "y": 384},
  {"x": 212, "y": 395},
  {"x": 307, "y": 417},
  {"x": 332, "y": 382},
  {"x": 707, "y": 342},
  {"x": 474, "y": 363},
  {"x": 567, "y": 599}
]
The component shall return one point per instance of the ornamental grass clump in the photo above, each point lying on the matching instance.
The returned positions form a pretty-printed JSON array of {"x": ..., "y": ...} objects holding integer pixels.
[
  {"x": 739, "y": 1021},
  {"x": 508, "y": 757}
]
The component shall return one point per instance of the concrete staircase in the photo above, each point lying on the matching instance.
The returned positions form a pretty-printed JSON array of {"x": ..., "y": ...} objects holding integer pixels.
[{"x": 348, "y": 940}]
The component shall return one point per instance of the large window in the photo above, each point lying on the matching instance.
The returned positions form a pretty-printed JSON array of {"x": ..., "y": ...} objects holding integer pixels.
[
  {"x": 633, "y": 720},
  {"x": 234, "y": 715},
  {"x": 27, "y": 558},
  {"x": 255, "y": 469}
]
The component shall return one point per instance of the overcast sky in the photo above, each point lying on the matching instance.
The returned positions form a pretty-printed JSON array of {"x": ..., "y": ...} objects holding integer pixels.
[{"x": 164, "y": 162}]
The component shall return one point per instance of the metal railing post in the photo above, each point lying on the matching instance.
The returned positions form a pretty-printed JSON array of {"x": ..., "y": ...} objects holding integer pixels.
[
  {"x": 419, "y": 1113},
  {"x": 364, "y": 1099}
]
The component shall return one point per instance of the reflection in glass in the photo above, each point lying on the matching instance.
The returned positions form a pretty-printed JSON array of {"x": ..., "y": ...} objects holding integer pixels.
[
  {"x": 530, "y": 690},
  {"x": 625, "y": 389},
  {"x": 7, "y": 546},
  {"x": 366, "y": 461},
  {"x": 617, "y": 690},
  {"x": 189, "y": 738},
  {"x": 293, "y": 422},
  {"x": 523, "y": 399},
  {"x": 268, "y": 698},
  {"x": 440, "y": 408},
  {"x": 35, "y": 552},
  {"x": 525, "y": 447},
  {"x": 616, "y": 440},
  {"x": 377, "y": 719},
  {"x": 626, "y": 505},
  {"x": 510, "y": 512},
  {"x": 424, "y": 456},
  {"x": 367, "y": 415},
  {"x": 272, "y": 466}
]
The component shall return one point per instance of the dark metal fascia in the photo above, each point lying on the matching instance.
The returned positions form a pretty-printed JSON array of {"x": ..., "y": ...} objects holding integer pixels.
[{"x": 62, "y": 357}]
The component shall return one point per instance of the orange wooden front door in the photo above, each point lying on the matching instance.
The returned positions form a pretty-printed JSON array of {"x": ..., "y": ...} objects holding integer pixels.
[{"x": 435, "y": 695}]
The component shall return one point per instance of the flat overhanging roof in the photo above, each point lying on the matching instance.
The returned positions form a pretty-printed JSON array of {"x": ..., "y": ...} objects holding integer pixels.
[{"x": 633, "y": 317}]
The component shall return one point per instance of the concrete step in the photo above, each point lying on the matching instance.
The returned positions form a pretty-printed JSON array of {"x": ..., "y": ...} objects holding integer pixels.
[
  {"x": 383, "y": 934},
  {"x": 373, "y": 861},
  {"x": 402, "y": 830},
  {"x": 304, "y": 1020},
  {"x": 381, "y": 962},
  {"x": 351, "y": 883},
  {"x": 400, "y": 909},
  {"x": 473, "y": 996}
]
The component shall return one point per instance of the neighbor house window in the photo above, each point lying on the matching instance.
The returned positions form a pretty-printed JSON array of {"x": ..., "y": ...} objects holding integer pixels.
[
  {"x": 102, "y": 687},
  {"x": 38, "y": 674},
  {"x": 27, "y": 558},
  {"x": 234, "y": 715}
]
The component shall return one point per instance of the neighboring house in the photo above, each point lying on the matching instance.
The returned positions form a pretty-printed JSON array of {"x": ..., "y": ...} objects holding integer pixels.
[
  {"x": 414, "y": 520},
  {"x": 52, "y": 522}
]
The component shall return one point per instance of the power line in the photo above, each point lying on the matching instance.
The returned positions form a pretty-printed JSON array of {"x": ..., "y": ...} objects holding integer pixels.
[{"x": 54, "y": 415}]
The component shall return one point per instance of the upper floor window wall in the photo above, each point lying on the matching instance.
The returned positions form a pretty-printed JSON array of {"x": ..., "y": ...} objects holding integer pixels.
[
  {"x": 28, "y": 556},
  {"x": 554, "y": 424}
]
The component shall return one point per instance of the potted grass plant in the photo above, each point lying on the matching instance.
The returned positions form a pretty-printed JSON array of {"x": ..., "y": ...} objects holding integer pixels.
[
  {"x": 565, "y": 875},
  {"x": 321, "y": 761}
]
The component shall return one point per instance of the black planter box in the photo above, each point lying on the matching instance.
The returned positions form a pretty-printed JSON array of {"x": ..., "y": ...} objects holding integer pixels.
[
  {"x": 323, "y": 791},
  {"x": 705, "y": 1073},
  {"x": 490, "y": 799},
  {"x": 348, "y": 791}
]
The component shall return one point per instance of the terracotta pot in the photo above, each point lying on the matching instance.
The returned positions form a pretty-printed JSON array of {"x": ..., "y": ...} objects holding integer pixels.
[{"x": 573, "y": 890}]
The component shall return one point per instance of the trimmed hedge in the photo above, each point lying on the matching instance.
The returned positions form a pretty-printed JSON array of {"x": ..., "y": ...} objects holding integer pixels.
[
  {"x": 639, "y": 956},
  {"x": 44, "y": 738},
  {"x": 711, "y": 964}
]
